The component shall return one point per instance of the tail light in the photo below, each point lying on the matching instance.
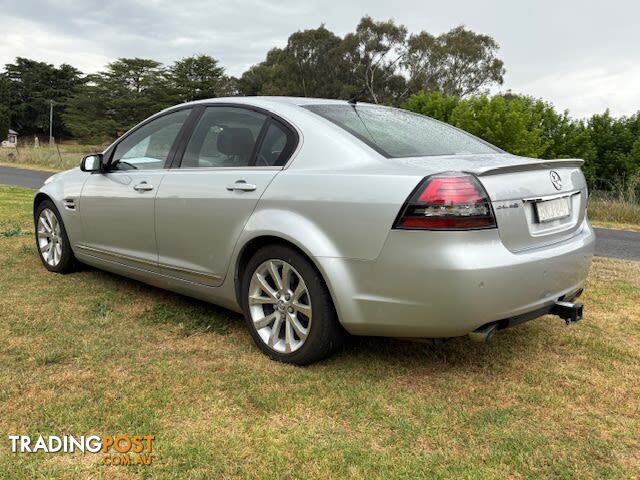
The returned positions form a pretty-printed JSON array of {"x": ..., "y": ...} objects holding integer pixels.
[{"x": 447, "y": 201}]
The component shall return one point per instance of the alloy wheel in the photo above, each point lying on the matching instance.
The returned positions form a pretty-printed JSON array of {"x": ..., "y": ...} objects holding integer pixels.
[
  {"x": 280, "y": 306},
  {"x": 49, "y": 237}
]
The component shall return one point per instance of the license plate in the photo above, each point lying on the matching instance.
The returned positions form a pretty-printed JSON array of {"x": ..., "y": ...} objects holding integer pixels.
[{"x": 553, "y": 209}]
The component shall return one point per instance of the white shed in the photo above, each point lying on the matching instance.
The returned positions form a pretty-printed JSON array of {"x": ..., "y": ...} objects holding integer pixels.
[{"x": 12, "y": 139}]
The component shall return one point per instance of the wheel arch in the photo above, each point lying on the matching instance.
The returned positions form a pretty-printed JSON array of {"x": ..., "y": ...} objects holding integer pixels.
[
  {"x": 258, "y": 242},
  {"x": 38, "y": 199}
]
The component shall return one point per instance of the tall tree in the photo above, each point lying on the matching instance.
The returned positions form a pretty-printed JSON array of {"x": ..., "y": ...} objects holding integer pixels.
[
  {"x": 378, "y": 63},
  {"x": 33, "y": 85},
  {"x": 311, "y": 65},
  {"x": 199, "y": 77},
  {"x": 374, "y": 51},
  {"x": 4, "y": 107},
  {"x": 130, "y": 90},
  {"x": 459, "y": 62}
]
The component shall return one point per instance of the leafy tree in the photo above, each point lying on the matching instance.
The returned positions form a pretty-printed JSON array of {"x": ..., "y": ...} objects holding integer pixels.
[
  {"x": 432, "y": 104},
  {"x": 378, "y": 63},
  {"x": 130, "y": 90},
  {"x": 311, "y": 65},
  {"x": 199, "y": 77},
  {"x": 518, "y": 124},
  {"x": 459, "y": 62},
  {"x": 509, "y": 123},
  {"x": 617, "y": 147},
  {"x": 374, "y": 53},
  {"x": 4, "y": 107},
  {"x": 32, "y": 87}
]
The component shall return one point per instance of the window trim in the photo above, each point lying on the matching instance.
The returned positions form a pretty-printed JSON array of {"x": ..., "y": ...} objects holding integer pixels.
[
  {"x": 292, "y": 136},
  {"x": 110, "y": 151}
]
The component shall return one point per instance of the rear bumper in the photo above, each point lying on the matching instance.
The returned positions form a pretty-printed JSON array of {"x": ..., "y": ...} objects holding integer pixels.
[{"x": 445, "y": 284}]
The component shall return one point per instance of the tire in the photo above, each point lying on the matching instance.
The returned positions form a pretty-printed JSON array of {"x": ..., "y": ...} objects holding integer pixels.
[
  {"x": 309, "y": 314},
  {"x": 50, "y": 230}
]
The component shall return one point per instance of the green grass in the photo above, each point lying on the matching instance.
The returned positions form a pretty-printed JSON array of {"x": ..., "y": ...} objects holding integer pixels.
[
  {"x": 15, "y": 211},
  {"x": 92, "y": 352}
]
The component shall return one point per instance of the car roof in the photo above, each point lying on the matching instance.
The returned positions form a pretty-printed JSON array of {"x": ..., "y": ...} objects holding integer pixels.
[{"x": 253, "y": 100}]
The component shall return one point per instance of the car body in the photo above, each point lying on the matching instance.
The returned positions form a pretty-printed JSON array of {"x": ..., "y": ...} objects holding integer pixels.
[{"x": 337, "y": 198}]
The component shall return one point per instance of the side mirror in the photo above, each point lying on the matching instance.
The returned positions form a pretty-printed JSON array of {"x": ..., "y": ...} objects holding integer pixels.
[{"x": 92, "y": 163}]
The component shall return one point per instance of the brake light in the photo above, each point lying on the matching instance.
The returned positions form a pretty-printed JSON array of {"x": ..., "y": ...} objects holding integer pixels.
[{"x": 447, "y": 201}]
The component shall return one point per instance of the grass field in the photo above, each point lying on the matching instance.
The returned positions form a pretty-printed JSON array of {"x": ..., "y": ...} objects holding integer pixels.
[
  {"x": 93, "y": 353},
  {"x": 57, "y": 158}
]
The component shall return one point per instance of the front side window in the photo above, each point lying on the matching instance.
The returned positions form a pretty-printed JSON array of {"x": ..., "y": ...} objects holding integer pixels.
[
  {"x": 148, "y": 147},
  {"x": 397, "y": 133},
  {"x": 224, "y": 137}
]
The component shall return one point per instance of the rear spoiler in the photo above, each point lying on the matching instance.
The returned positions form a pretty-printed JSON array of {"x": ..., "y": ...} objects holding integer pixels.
[{"x": 533, "y": 165}]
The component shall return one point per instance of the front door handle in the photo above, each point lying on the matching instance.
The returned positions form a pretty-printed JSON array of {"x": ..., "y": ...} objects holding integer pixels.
[
  {"x": 143, "y": 187},
  {"x": 242, "y": 186}
]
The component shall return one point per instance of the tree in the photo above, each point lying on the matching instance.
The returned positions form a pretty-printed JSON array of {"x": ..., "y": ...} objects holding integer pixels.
[
  {"x": 506, "y": 122},
  {"x": 378, "y": 63},
  {"x": 316, "y": 62},
  {"x": 311, "y": 65},
  {"x": 4, "y": 107},
  {"x": 32, "y": 87},
  {"x": 459, "y": 62},
  {"x": 374, "y": 52},
  {"x": 130, "y": 90},
  {"x": 432, "y": 104},
  {"x": 199, "y": 77},
  {"x": 617, "y": 147}
]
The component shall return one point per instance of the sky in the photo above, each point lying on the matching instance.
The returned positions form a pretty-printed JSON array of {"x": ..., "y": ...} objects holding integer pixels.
[{"x": 583, "y": 56}]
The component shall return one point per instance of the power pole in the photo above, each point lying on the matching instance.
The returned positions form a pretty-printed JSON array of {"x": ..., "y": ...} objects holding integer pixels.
[{"x": 50, "y": 122}]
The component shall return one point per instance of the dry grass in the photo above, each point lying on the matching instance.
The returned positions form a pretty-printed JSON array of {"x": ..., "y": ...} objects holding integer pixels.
[
  {"x": 95, "y": 353},
  {"x": 615, "y": 213},
  {"x": 62, "y": 157}
]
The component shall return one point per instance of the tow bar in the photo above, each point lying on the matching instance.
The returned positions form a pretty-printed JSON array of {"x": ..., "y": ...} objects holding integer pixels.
[{"x": 569, "y": 312}]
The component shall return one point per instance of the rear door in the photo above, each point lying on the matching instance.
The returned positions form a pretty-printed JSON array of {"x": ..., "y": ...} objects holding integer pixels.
[
  {"x": 117, "y": 207},
  {"x": 205, "y": 200}
]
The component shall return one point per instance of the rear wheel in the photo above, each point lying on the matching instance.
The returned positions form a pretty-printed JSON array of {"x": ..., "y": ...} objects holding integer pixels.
[
  {"x": 52, "y": 241},
  {"x": 288, "y": 308}
]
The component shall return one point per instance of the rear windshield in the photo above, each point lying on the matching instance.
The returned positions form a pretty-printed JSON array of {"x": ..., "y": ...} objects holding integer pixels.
[{"x": 398, "y": 133}]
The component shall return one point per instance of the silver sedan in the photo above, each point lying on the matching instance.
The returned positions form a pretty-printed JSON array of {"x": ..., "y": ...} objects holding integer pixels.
[{"x": 315, "y": 217}]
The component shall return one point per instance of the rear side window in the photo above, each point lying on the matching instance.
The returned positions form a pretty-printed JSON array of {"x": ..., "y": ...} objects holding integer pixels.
[
  {"x": 224, "y": 137},
  {"x": 397, "y": 133},
  {"x": 277, "y": 145}
]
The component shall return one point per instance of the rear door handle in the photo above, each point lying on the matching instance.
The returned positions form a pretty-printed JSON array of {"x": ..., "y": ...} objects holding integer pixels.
[
  {"x": 242, "y": 186},
  {"x": 143, "y": 187}
]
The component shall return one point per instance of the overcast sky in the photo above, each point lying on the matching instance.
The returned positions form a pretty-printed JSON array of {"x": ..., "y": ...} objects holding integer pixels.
[{"x": 581, "y": 55}]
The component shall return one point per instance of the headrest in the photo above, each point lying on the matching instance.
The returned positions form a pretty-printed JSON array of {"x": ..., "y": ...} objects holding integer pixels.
[{"x": 235, "y": 141}]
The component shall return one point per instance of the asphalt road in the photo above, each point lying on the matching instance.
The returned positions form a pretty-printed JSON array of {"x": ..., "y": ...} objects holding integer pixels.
[
  {"x": 617, "y": 244},
  {"x": 609, "y": 243},
  {"x": 23, "y": 178}
]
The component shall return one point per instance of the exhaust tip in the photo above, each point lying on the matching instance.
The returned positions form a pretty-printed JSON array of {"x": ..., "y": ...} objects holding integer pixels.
[{"x": 483, "y": 334}]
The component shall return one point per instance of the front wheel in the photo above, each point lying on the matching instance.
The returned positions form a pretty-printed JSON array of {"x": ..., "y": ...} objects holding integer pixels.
[
  {"x": 52, "y": 240},
  {"x": 288, "y": 308}
]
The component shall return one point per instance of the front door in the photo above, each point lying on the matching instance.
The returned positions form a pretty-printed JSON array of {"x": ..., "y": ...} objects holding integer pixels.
[
  {"x": 203, "y": 205},
  {"x": 117, "y": 207}
]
